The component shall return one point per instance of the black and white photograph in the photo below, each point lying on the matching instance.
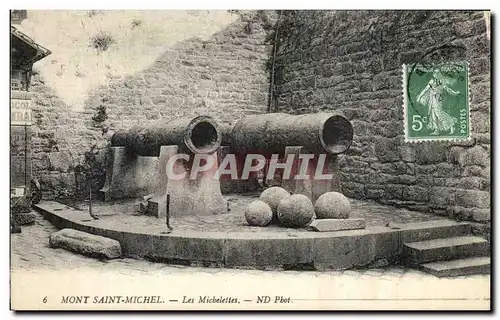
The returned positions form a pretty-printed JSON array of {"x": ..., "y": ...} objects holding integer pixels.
[{"x": 284, "y": 160}]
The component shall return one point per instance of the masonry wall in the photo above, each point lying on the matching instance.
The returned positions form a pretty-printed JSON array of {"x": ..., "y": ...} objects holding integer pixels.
[
  {"x": 352, "y": 62},
  {"x": 224, "y": 76}
]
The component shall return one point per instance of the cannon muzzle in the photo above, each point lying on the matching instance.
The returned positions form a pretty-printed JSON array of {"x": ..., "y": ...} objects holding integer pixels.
[
  {"x": 198, "y": 135},
  {"x": 273, "y": 132}
]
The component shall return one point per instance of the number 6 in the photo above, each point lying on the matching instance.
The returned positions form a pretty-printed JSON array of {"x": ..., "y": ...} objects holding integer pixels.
[{"x": 416, "y": 123}]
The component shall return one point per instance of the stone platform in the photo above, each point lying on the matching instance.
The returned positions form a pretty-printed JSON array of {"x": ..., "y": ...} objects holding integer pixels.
[{"x": 226, "y": 240}]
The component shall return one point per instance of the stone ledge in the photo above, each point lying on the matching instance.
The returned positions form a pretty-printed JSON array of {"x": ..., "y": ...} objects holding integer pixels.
[
  {"x": 322, "y": 250},
  {"x": 86, "y": 244},
  {"x": 324, "y": 225}
]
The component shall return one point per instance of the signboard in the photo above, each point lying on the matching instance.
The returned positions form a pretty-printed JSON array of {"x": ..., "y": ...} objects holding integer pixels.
[{"x": 20, "y": 112}]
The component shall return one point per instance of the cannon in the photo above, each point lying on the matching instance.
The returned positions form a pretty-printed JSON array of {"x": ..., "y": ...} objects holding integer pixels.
[
  {"x": 277, "y": 136},
  {"x": 198, "y": 136},
  {"x": 316, "y": 132},
  {"x": 138, "y": 161}
]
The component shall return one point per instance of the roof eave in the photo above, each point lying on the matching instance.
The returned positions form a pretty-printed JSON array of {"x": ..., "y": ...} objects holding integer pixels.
[{"x": 42, "y": 52}]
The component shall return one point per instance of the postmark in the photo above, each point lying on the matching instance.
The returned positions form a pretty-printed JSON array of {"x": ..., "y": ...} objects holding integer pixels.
[{"x": 436, "y": 101}]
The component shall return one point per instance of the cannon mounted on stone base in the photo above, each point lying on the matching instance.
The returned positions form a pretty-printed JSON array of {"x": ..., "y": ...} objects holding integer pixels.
[{"x": 141, "y": 159}]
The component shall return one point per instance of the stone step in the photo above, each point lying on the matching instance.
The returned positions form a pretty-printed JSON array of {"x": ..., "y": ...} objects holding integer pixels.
[
  {"x": 459, "y": 267},
  {"x": 415, "y": 253},
  {"x": 434, "y": 229}
]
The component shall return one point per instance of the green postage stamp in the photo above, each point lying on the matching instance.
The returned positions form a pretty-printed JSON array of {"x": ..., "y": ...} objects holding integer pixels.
[{"x": 436, "y": 101}]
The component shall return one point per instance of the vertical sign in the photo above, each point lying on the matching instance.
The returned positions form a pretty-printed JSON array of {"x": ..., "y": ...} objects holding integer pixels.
[
  {"x": 20, "y": 112},
  {"x": 20, "y": 137},
  {"x": 20, "y": 158}
]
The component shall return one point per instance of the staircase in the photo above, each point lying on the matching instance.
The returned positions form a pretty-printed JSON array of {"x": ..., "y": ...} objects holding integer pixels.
[{"x": 457, "y": 254}]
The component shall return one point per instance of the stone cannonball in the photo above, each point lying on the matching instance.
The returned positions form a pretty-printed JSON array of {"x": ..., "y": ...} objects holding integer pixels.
[
  {"x": 295, "y": 211},
  {"x": 272, "y": 196},
  {"x": 258, "y": 213},
  {"x": 332, "y": 205}
]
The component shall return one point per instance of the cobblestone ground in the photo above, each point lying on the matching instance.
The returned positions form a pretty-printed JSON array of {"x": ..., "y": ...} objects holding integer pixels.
[
  {"x": 30, "y": 250},
  {"x": 31, "y": 256}
]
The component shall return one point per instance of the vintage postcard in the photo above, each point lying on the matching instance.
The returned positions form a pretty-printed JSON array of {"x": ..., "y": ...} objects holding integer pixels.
[{"x": 250, "y": 160}]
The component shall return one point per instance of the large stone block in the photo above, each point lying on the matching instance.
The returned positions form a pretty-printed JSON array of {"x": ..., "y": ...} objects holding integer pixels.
[
  {"x": 353, "y": 190},
  {"x": 473, "y": 198},
  {"x": 442, "y": 196},
  {"x": 343, "y": 252},
  {"x": 324, "y": 225},
  {"x": 268, "y": 252},
  {"x": 59, "y": 161},
  {"x": 480, "y": 92},
  {"x": 387, "y": 149},
  {"x": 477, "y": 155},
  {"x": 456, "y": 155},
  {"x": 374, "y": 192},
  {"x": 427, "y": 230},
  {"x": 179, "y": 248},
  {"x": 86, "y": 244},
  {"x": 129, "y": 175},
  {"x": 392, "y": 129},
  {"x": 480, "y": 215},
  {"x": 393, "y": 191},
  {"x": 469, "y": 28},
  {"x": 430, "y": 153},
  {"x": 415, "y": 193},
  {"x": 464, "y": 182},
  {"x": 480, "y": 121},
  {"x": 387, "y": 242}
]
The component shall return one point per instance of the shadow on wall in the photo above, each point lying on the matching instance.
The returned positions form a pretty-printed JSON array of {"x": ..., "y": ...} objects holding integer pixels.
[
  {"x": 224, "y": 76},
  {"x": 89, "y": 46}
]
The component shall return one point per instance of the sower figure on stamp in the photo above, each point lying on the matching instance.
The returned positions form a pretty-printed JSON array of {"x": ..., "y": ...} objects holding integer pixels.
[{"x": 432, "y": 97}]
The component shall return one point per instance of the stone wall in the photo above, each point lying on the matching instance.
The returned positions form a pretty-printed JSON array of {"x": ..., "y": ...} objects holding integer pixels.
[
  {"x": 352, "y": 62},
  {"x": 224, "y": 76}
]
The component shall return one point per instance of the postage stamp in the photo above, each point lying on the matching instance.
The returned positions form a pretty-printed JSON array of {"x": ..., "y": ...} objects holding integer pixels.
[{"x": 436, "y": 101}]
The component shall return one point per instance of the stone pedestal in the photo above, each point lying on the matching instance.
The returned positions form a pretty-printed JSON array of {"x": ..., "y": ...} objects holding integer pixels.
[
  {"x": 293, "y": 185},
  {"x": 312, "y": 185},
  {"x": 331, "y": 166},
  {"x": 237, "y": 185},
  {"x": 129, "y": 175},
  {"x": 198, "y": 195},
  {"x": 132, "y": 176},
  {"x": 227, "y": 183}
]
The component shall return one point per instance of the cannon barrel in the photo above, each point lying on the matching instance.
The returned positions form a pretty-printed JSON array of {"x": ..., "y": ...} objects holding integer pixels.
[
  {"x": 198, "y": 135},
  {"x": 272, "y": 132},
  {"x": 226, "y": 132}
]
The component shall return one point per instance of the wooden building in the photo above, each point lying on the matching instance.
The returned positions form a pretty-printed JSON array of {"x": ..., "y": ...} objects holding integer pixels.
[{"x": 24, "y": 52}]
